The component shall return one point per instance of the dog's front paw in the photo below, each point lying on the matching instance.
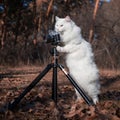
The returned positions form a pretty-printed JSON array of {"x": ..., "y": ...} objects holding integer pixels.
[{"x": 58, "y": 48}]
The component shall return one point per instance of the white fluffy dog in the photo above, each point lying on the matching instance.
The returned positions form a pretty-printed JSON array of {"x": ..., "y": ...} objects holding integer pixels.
[{"x": 79, "y": 57}]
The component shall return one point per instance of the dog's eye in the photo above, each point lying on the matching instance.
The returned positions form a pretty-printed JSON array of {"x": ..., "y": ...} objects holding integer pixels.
[{"x": 61, "y": 25}]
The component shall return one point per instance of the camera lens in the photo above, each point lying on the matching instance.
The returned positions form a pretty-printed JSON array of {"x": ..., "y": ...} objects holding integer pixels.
[{"x": 53, "y": 37}]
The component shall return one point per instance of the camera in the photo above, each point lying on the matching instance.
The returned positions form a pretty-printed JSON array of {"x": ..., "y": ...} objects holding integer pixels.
[{"x": 53, "y": 37}]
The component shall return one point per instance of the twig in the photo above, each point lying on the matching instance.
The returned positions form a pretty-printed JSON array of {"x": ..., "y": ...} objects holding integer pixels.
[
  {"x": 93, "y": 21},
  {"x": 4, "y": 27},
  {"x": 49, "y": 7},
  {"x": 17, "y": 26},
  {"x": 112, "y": 62}
]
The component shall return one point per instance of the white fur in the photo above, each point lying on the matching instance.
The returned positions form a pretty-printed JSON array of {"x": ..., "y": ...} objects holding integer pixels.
[{"x": 79, "y": 57}]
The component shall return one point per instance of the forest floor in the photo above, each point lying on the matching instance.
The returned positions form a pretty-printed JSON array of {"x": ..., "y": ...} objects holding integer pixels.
[{"x": 38, "y": 104}]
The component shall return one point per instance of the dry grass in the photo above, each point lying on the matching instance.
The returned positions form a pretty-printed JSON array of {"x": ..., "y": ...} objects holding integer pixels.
[{"x": 109, "y": 72}]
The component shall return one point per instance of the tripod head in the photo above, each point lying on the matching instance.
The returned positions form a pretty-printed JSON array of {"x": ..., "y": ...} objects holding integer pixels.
[{"x": 53, "y": 51}]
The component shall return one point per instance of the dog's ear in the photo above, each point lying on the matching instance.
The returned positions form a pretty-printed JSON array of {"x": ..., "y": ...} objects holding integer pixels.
[{"x": 67, "y": 18}]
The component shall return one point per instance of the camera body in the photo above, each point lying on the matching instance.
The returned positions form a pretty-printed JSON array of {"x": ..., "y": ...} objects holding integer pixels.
[{"x": 53, "y": 37}]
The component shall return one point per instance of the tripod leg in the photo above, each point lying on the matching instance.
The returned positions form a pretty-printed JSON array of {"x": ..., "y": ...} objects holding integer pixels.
[
  {"x": 32, "y": 84},
  {"x": 87, "y": 99},
  {"x": 54, "y": 83}
]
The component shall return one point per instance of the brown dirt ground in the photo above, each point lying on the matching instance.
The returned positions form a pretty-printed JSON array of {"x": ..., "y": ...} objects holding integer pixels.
[{"x": 38, "y": 105}]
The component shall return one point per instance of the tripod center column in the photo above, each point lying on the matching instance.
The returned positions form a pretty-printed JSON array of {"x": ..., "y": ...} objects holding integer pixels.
[{"x": 54, "y": 80}]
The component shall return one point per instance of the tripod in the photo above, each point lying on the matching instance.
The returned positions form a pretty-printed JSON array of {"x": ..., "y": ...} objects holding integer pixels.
[{"x": 53, "y": 65}]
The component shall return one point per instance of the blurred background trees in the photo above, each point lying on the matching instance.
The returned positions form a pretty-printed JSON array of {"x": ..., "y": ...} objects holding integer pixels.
[{"x": 24, "y": 24}]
